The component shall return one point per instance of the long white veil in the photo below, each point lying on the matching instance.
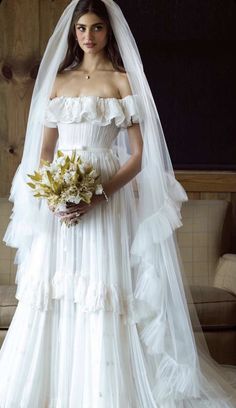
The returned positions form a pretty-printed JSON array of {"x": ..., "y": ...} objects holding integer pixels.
[{"x": 163, "y": 309}]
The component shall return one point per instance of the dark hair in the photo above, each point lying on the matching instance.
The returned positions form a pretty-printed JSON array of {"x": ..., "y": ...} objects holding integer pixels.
[{"x": 74, "y": 53}]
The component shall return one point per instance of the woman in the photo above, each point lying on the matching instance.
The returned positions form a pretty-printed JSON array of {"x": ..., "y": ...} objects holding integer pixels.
[
  {"x": 102, "y": 319},
  {"x": 96, "y": 73}
]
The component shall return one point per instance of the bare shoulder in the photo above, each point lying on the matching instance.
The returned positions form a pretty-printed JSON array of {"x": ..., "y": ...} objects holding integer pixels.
[
  {"x": 59, "y": 81},
  {"x": 122, "y": 83}
]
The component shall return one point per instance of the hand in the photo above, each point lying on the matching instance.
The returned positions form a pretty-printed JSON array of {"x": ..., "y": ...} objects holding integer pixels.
[{"x": 75, "y": 211}]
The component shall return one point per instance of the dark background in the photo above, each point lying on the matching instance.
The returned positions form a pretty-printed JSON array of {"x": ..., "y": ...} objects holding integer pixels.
[{"x": 188, "y": 50}]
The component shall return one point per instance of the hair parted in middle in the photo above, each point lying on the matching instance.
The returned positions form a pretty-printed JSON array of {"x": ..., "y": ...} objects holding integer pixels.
[{"x": 74, "y": 54}]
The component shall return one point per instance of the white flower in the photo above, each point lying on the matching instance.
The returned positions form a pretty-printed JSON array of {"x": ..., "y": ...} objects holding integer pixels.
[
  {"x": 68, "y": 176},
  {"x": 82, "y": 168},
  {"x": 93, "y": 173},
  {"x": 54, "y": 167},
  {"x": 45, "y": 168},
  {"x": 60, "y": 160},
  {"x": 45, "y": 180},
  {"x": 74, "y": 199},
  {"x": 99, "y": 189},
  {"x": 73, "y": 167},
  {"x": 57, "y": 177},
  {"x": 40, "y": 191}
]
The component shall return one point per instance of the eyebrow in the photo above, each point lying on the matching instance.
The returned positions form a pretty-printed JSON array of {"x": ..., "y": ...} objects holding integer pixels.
[{"x": 84, "y": 25}]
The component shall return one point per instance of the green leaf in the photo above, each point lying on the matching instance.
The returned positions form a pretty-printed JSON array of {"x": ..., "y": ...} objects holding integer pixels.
[
  {"x": 60, "y": 153},
  {"x": 73, "y": 156},
  {"x": 50, "y": 178},
  {"x": 31, "y": 185},
  {"x": 45, "y": 162},
  {"x": 45, "y": 187},
  {"x": 56, "y": 188},
  {"x": 36, "y": 176},
  {"x": 39, "y": 195}
]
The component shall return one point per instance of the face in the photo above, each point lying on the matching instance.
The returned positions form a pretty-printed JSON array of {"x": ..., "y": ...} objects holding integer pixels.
[{"x": 91, "y": 32}]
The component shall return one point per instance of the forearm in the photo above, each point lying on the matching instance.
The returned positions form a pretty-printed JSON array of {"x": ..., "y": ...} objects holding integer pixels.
[
  {"x": 46, "y": 155},
  {"x": 125, "y": 174},
  {"x": 48, "y": 145}
]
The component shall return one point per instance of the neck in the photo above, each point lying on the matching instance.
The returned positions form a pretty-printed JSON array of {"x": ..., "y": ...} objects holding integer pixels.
[{"x": 91, "y": 63}]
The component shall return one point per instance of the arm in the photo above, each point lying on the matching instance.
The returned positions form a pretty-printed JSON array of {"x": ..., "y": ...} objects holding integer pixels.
[
  {"x": 50, "y": 135},
  {"x": 132, "y": 166}
]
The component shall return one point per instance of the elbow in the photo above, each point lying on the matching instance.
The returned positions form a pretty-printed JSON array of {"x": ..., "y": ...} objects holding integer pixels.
[
  {"x": 138, "y": 162},
  {"x": 139, "y": 156}
]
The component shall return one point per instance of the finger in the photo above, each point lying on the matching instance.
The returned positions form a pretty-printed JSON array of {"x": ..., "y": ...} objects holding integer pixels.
[
  {"x": 77, "y": 207},
  {"x": 75, "y": 215},
  {"x": 71, "y": 210}
]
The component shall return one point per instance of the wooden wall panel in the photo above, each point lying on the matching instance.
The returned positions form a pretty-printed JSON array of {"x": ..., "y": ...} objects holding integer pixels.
[
  {"x": 49, "y": 14},
  {"x": 26, "y": 26}
]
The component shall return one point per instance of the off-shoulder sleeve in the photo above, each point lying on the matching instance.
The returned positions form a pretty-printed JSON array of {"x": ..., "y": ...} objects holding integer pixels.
[
  {"x": 50, "y": 119},
  {"x": 97, "y": 110},
  {"x": 131, "y": 108},
  {"x": 50, "y": 124}
]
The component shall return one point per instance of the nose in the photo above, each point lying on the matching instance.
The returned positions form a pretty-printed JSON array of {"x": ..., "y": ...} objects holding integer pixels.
[{"x": 88, "y": 36}]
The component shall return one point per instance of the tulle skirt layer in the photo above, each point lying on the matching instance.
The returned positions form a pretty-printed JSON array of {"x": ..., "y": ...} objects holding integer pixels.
[
  {"x": 102, "y": 320},
  {"x": 66, "y": 357}
]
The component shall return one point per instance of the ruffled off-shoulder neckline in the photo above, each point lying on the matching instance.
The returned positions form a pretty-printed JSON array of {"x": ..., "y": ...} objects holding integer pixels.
[
  {"x": 95, "y": 109},
  {"x": 92, "y": 96}
]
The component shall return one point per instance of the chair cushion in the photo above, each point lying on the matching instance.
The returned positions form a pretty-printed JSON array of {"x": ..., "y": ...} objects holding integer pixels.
[
  {"x": 8, "y": 304},
  {"x": 216, "y": 308},
  {"x": 225, "y": 277}
]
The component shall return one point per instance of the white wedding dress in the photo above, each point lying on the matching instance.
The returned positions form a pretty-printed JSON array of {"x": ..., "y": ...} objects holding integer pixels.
[{"x": 74, "y": 341}]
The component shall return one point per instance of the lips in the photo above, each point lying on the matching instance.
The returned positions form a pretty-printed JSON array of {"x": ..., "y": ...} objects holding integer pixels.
[{"x": 89, "y": 45}]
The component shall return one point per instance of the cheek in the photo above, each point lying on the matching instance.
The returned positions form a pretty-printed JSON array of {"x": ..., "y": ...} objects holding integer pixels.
[
  {"x": 102, "y": 37},
  {"x": 79, "y": 35}
]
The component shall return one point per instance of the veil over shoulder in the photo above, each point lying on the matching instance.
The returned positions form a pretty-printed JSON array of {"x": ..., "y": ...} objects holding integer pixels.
[{"x": 178, "y": 371}]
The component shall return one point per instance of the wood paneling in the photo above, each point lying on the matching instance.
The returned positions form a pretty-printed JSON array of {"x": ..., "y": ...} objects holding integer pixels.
[
  {"x": 26, "y": 26},
  {"x": 218, "y": 182}
]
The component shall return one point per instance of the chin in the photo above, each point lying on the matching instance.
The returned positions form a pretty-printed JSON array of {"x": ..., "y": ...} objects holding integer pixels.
[{"x": 94, "y": 50}]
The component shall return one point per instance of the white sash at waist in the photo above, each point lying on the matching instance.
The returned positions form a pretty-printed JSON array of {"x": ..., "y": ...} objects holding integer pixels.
[{"x": 88, "y": 148}]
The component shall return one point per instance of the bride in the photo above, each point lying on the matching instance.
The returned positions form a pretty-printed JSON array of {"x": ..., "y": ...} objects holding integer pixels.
[
  {"x": 96, "y": 73},
  {"x": 105, "y": 318}
]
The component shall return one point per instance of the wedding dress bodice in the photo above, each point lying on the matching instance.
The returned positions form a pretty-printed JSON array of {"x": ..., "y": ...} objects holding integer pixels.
[{"x": 90, "y": 120}]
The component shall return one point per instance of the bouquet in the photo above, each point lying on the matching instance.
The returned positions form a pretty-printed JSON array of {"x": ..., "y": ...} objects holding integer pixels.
[{"x": 68, "y": 179}]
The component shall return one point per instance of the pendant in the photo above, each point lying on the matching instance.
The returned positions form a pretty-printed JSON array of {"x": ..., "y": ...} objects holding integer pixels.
[{"x": 87, "y": 77}]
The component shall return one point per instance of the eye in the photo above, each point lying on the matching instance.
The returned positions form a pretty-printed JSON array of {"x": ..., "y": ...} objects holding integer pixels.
[
  {"x": 98, "y": 28},
  {"x": 81, "y": 29}
]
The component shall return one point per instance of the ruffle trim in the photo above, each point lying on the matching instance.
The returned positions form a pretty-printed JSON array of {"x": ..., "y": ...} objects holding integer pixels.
[
  {"x": 161, "y": 225},
  {"x": 94, "y": 109},
  {"x": 25, "y": 212},
  {"x": 174, "y": 380},
  {"x": 90, "y": 295}
]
